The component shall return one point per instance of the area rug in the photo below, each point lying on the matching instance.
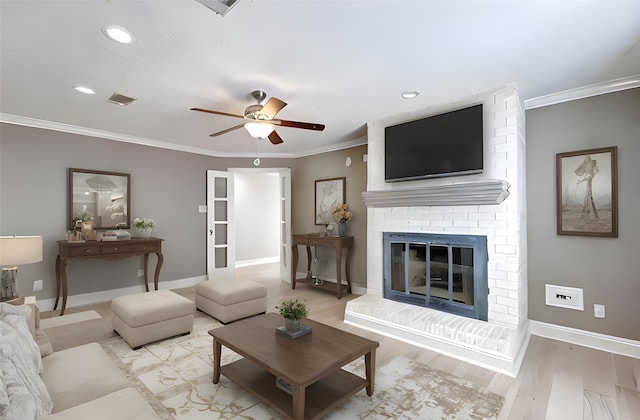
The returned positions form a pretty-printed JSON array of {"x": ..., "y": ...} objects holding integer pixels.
[{"x": 175, "y": 376}]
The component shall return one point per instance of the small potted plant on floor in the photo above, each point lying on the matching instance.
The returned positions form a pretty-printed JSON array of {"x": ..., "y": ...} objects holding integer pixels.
[{"x": 293, "y": 311}]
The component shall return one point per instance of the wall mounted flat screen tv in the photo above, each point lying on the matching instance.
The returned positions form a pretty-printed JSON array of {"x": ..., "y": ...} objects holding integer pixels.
[{"x": 440, "y": 145}]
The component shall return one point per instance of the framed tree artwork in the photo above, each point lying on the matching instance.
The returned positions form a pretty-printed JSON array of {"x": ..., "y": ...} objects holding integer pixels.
[
  {"x": 587, "y": 192},
  {"x": 328, "y": 194}
]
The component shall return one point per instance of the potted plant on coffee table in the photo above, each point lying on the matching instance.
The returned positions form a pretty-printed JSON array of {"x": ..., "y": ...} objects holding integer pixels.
[{"x": 293, "y": 311}]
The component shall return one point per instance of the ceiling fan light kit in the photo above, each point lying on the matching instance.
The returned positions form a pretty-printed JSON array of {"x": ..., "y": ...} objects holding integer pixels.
[
  {"x": 259, "y": 130},
  {"x": 261, "y": 122}
]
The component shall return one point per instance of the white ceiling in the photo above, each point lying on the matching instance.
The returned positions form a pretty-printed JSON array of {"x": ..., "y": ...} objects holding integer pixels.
[{"x": 339, "y": 63}]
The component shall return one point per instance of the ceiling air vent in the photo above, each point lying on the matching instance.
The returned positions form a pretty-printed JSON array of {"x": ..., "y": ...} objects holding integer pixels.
[
  {"x": 221, "y": 7},
  {"x": 119, "y": 99}
]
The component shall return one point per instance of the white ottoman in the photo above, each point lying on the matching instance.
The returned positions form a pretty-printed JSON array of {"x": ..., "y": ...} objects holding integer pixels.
[
  {"x": 229, "y": 300},
  {"x": 151, "y": 316}
]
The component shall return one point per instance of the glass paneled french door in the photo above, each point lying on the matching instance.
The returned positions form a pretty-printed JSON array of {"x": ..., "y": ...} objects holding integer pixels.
[{"x": 220, "y": 232}]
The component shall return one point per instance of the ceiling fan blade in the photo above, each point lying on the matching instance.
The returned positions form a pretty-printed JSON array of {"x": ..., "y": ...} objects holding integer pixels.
[
  {"x": 217, "y": 112},
  {"x": 219, "y": 133},
  {"x": 272, "y": 107},
  {"x": 275, "y": 138},
  {"x": 298, "y": 124}
]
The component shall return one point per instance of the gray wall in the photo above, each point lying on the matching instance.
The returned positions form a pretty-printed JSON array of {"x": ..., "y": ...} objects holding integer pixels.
[
  {"x": 332, "y": 165},
  {"x": 606, "y": 268},
  {"x": 166, "y": 185}
]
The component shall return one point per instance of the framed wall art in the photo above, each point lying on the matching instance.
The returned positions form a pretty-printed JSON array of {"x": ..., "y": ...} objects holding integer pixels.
[
  {"x": 328, "y": 194},
  {"x": 587, "y": 192}
]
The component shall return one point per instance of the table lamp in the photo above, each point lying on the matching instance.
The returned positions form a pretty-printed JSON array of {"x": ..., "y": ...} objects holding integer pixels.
[{"x": 14, "y": 251}]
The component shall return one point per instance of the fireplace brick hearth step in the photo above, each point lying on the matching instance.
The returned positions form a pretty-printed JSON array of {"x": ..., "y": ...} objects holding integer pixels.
[{"x": 486, "y": 344}]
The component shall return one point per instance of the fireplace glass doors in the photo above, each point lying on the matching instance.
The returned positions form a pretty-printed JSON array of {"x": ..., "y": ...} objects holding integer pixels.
[{"x": 444, "y": 272}]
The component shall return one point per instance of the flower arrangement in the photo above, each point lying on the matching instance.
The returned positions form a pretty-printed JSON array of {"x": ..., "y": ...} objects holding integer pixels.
[
  {"x": 293, "y": 309},
  {"x": 341, "y": 213},
  {"x": 143, "y": 223}
]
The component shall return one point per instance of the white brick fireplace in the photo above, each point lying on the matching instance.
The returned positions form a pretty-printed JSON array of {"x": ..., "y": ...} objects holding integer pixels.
[{"x": 476, "y": 205}]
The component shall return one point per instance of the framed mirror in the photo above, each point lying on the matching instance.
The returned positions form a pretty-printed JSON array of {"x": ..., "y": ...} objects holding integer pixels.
[{"x": 99, "y": 197}]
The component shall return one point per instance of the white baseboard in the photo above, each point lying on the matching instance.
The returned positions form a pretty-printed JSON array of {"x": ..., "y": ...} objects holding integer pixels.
[
  {"x": 584, "y": 338},
  {"x": 358, "y": 290},
  {"x": 107, "y": 295}
]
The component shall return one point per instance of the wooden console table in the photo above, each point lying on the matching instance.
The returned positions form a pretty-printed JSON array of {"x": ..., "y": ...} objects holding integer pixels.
[
  {"x": 105, "y": 250},
  {"x": 338, "y": 243}
]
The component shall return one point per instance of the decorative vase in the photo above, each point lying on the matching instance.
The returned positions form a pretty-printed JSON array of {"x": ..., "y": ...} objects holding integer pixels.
[
  {"x": 143, "y": 233},
  {"x": 342, "y": 228},
  {"x": 292, "y": 324}
]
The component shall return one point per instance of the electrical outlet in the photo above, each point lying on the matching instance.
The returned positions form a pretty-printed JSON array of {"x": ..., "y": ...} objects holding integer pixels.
[
  {"x": 564, "y": 297},
  {"x": 38, "y": 285},
  {"x": 202, "y": 209},
  {"x": 598, "y": 310},
  {"x": 140, "y": 273}
]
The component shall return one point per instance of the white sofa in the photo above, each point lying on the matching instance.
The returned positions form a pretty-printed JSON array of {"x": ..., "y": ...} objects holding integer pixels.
[{"x": 79, "y": 382}]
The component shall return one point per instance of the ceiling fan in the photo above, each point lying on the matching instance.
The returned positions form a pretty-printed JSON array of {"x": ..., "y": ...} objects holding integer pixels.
[{"x": 261, "y": 122}]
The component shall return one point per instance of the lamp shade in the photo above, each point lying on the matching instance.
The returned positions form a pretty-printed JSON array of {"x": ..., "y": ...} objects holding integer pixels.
[
  {"x": 18, "y": 250},
  {"x": 259, "y": 130}
]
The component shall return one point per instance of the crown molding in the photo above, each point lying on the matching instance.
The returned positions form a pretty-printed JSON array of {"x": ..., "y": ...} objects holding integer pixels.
[
  {"x": 610, "y": 86},
  {"x": 110, "y": 135},
  {"x": 126, "y": 138},
  {"x": 103, "y": 134}
]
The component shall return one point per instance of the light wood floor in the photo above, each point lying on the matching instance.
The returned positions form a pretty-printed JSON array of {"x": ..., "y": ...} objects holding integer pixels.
[{"x": 552, "y": 382}]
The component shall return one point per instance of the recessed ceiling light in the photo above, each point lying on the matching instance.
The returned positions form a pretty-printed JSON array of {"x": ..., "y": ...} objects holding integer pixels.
[
  {"x": 410, "y": 94},
  {"x": 118, "y": 33},
  {"x": 84, "y": 89}
]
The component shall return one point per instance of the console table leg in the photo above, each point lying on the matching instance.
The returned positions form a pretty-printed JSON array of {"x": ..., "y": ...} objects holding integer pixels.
[
  {"x": 146, "y": 270},
  {"x": 158, "y": 266},
  {"x": 63, "y": 279},
  {"x": 347, "y": 269},
  {"x": 294, "y": 264},
  {"x": 339, "y": 271},
  {"x": 55, "y": 305}
]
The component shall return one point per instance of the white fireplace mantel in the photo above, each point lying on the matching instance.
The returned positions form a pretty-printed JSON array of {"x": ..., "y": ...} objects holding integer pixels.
[{"x": 491, "y": 191}]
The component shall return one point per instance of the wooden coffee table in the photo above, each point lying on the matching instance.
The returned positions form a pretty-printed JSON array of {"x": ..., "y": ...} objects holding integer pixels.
[{"x": 311, "y": 364}]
